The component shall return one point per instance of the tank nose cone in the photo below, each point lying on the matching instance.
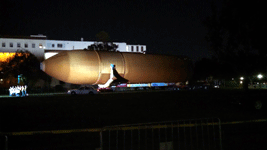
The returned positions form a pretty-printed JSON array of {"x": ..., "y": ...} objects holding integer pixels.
[
  {"x": 76, "y": 67},
  {"x": 57, "y": 66}
]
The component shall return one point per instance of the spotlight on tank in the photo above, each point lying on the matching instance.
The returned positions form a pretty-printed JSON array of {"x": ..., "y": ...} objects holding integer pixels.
[{"x": 94, "y": 67}]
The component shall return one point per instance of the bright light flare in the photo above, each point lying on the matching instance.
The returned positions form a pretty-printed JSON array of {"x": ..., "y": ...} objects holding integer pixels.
[
  {"x": 5, "y": 57},
  {"x": 259, "y": 76}
]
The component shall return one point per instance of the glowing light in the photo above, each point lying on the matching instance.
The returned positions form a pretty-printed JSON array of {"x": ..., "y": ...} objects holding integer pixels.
[
  {"x": 259, "y": 76},
  {"x": 241, "y": 82},
  {"x": 241, "y": 78},
  {"x": 5, "y": 57},
  {"x": 40, "y": 45}
]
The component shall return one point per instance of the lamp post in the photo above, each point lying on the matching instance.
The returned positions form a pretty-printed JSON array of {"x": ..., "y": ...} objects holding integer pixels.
[
  {"x": 241, "y": 80},
  {"x": 260, "y": 76}
]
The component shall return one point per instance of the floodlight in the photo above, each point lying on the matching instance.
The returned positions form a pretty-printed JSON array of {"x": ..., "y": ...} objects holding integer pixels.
[{"x": 259, "y": 76}]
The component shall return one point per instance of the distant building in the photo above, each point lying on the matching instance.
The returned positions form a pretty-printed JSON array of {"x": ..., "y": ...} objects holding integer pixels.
[{"x": 44, "y": 48}]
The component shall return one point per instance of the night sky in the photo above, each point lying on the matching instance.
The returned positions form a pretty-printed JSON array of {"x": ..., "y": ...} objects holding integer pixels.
[{"x": 173, "y": 27}]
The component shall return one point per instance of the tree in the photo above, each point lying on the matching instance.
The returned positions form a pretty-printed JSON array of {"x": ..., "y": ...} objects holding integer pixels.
[
  {"x": 23, "y": 63},
  {"x": 103, "y": 43},
  {"x": 206, "y": 68},
  {"x": 103, "y": 37},
  {"x": 236, "y": 35}
]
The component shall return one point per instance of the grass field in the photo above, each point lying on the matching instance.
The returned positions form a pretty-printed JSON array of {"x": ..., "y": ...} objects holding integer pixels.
[
  {"x": 60, "y": 111},
  {"x": 67, "y": 112}
]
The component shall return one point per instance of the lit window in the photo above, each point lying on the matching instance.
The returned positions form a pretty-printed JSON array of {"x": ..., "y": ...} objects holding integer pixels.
[
  {"x": 18, "y": 45},
  {"x": 53, "y": 45},
  {"x": 3, "y": 44},
  {"x": 137, "y": 48},
  {"x": 33, "y": 45},
  {"x": 26, "y": 45},
  {"x": 10, "y": 44},
  {"x": 59, "y": 45},
  {"x": 132, "y": 48}
]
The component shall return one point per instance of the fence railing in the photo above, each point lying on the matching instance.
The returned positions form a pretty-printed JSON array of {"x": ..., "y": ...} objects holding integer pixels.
[
  {"x": 180, "y": 135},
  {"x": 169, "y": 135}
]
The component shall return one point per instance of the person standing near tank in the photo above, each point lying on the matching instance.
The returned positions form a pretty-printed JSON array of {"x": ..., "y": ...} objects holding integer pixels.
[
  {"x": 22, "y": 91},
  {"x": 25, "y": 90}
]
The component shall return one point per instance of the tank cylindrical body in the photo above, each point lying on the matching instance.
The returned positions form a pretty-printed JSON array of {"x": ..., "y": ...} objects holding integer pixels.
[{"x": 93, "y": 67}]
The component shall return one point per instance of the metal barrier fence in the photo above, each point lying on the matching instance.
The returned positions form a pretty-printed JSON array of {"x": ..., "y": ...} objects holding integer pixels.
[{"x": 203, "y": 134}]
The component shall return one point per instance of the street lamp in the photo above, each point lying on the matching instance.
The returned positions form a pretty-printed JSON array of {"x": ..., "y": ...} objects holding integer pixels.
[
  {"x": 259, "y": 76},
  {"x": 241, "y": 80}
]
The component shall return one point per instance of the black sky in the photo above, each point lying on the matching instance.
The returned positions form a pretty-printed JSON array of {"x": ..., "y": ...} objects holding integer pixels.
[{"x": 173, "y": 27}]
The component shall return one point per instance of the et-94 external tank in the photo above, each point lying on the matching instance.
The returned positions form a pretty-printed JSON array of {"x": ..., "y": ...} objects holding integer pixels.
[{"x": 93, "y": 67}]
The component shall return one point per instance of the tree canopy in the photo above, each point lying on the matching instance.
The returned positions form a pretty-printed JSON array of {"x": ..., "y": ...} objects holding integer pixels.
[
  {"x": 23, "y": 63},
  {"x": 103, "y": 43},
  {"x": 237, "y": 27},
  {"x": 102, "y": 36},
  {"x": 236, "y": 35}
]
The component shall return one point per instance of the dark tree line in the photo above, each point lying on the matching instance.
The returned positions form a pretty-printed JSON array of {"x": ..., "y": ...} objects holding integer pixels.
[
  {"x": 103, "y": 43},
  {"x": 99, "y": 46},
  {"x": 237, "y": 35},
  {"x": 26, "y": 64},
  {"x": 206, "y": 68}
]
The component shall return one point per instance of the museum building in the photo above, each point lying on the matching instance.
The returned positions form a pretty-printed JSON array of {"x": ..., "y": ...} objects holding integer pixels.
[{"x": 44, "y": 48}]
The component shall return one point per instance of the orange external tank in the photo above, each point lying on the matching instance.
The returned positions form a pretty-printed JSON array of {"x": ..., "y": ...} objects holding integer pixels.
[{"x": 93, "y": 67}]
